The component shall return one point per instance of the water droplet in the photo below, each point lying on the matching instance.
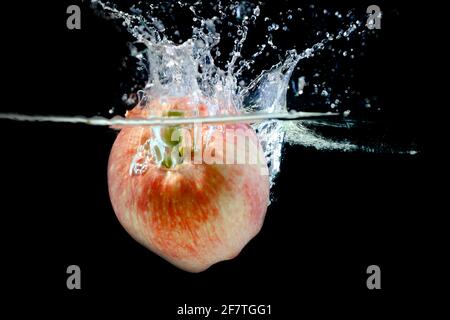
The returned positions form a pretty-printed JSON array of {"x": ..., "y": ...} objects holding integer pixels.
[{"x": 273, "y": 26}]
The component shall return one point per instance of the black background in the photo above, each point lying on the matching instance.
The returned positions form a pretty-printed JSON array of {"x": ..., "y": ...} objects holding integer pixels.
[{"x": 334, "y": 215}]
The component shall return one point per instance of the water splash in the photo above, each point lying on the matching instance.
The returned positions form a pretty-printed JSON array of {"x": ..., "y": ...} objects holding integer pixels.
[{"x": 189, "y": 69}]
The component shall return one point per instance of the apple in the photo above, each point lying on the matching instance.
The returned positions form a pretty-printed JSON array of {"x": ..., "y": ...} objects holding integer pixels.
[{"x": 191, "y": 214}]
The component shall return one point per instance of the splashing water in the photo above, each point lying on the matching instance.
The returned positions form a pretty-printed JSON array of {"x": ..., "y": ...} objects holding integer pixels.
[{"x": 189, "y": 70}]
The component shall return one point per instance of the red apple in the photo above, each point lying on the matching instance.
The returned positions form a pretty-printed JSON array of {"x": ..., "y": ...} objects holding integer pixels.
[{"x": 191, "y": 214}]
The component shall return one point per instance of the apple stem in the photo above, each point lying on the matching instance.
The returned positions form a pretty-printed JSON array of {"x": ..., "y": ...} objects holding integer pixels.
[{"x": 171, "y": 137}]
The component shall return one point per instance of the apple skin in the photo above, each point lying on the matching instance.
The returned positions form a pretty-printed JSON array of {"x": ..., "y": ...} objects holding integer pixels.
[{"x": 193, "y": 215}]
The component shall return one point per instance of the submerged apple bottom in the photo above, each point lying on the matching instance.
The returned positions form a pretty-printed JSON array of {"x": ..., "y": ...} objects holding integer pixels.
[{"x": 193, "y": 215}]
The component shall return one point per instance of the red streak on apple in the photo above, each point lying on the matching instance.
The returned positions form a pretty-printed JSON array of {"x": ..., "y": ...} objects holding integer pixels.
[{"x": 193, "y": 215}]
